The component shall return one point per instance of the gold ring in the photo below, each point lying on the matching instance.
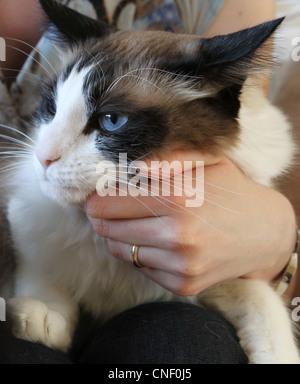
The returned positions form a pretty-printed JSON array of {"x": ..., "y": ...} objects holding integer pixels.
[{"x": 134, "y": 256}]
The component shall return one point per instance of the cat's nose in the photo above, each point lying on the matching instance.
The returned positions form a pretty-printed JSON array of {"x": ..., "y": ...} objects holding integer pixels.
[{"x": 45, "y": 160}]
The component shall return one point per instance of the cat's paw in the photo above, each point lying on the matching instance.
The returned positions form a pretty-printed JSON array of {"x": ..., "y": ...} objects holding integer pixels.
[
  {"x": 291, "y": 358},
  {"x": 33, "y": 321}
]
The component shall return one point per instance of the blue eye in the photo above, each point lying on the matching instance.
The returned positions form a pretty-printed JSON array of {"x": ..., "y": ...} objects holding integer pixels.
[{"x": 111, "y": 122}]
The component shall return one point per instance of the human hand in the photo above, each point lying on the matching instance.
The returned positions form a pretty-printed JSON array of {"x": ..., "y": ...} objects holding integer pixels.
[{"x": 242, "y": 230}]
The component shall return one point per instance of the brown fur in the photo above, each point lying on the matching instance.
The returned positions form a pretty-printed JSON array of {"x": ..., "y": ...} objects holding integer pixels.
[{"x": 138, "y": 80}]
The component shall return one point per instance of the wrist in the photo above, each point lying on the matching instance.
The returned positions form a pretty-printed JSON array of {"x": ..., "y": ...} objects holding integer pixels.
[
  {"x": 287, "y": 236},
  {"x": 288, "y": 275},
  {"x": 279, "y": 243}
]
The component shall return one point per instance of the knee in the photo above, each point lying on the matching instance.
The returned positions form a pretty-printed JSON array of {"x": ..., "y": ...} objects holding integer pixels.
[
  {"x": 167, "y": 333},
  {"x": 188, "y": 334},
  {"x": 14, "y": 351}
]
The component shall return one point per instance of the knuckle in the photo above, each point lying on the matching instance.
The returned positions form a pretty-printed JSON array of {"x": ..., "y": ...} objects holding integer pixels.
[
  {"x": 176, "y": 246},
  {"x": 115, "y": 249},
  {"x": 185, "y": 242},
  {"x": 103, "y": 228},
  {"x": 191, "y": 269},
  {"x": 95, "y": 207},
  {"x": 187, "y": 289},
  {"x": 100, "y": 211}
]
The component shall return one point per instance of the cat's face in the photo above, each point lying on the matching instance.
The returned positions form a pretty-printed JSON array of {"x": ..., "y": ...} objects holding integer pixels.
[
  {"x": 139, "y": 93},
  {"x": 112, "y": 98}
]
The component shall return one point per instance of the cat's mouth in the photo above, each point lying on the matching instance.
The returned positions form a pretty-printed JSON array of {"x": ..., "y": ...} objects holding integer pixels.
[
  {"x": 58, "y": 186},
  {"x": 63, "y": 194},
  {"x": 61, "y": 189}
]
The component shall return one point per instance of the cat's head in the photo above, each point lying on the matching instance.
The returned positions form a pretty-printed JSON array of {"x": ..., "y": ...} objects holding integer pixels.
[{"x": 139, "y": 93}]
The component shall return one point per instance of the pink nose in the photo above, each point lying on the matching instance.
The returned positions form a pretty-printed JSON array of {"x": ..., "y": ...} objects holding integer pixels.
[{"x": 45, "y": 160}]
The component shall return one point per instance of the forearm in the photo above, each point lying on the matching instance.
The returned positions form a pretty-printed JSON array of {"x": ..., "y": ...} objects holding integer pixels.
[
  {"x": 234, "y": 16},
  {"x": 237, "y": 15}
]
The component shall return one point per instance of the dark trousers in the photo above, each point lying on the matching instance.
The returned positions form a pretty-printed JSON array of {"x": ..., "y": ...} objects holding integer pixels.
[{"x": 160, "y": 333}]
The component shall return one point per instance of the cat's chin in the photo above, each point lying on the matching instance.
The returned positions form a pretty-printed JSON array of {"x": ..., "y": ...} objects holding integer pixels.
[{"x": 65, "y": 196}]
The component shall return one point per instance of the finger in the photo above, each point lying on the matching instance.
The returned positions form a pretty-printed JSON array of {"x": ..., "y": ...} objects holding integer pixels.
[
  {"x": 129, "y": 207},
  {"x": 175, "y": 284},
  {"x": 148, "y": 257},
  {"x": 182, "y": 160},
  {"x": 162, "y": 267},
  {"x": 152, "y": 232},
  {"x": 165, "y": 198}
]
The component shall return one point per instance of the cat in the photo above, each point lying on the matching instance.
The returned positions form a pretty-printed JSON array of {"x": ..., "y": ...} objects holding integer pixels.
[{"x": 137, "y": 93}]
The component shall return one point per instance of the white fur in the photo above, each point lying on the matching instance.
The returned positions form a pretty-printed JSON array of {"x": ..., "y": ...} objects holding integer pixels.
[
  {"x": 62, "y": 263},
  {"x": 265, "y": 149}
]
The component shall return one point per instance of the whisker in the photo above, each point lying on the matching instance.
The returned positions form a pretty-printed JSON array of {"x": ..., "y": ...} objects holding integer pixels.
[
  {"x": 116, "y": 82},
  {"x": 13, "y": 78},
  {"x": 19, "y": 71},
  {"x": 177, "y": 185},
  {"x": 19, "y": 132},
  {"x": 195, "y": 179},
  {"x": 14, "y": 140},
  {"x": 12, "y": 167},
  {"x": 165, "y": 72},
  {"x": 205, "y": 199},
  {"x": 16, "y": 149},
  {"x": 13, "y": 155},
  {"x": 33, "y": 58},
  {"x": 34, "y": 49},
  {"x": 182, "y": 208},
  {"x": 153, "y": 213},
  {"x": 194, "y": 190},
  {"x": 8, "y": 173},
  {"x": 98, "y": 64},
  {"x": 226, "y": 190},
  {"x": 125, "y": 166}
]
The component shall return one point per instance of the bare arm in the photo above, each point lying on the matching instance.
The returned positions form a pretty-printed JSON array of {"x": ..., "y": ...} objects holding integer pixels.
[
  {"x": 22, "y": 21},
  {"x": 288, "y": 99},
  {"x": 237, "y": 15}
]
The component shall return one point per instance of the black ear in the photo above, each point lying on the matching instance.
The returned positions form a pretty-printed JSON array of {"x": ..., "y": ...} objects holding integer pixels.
[
  {"x": 224, "y": 63},
  {"x": 230, "y": 57},
  {"x": 69, "y": 26},
  {"x": 237, "y": 47}
]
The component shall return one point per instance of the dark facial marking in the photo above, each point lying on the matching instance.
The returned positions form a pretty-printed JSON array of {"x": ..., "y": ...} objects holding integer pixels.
[
  {"x": 47, "y": 109},
  {"x": 145, "y": 131}
]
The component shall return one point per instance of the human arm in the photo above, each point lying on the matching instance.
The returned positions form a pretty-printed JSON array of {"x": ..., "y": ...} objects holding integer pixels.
[
  {"x": 261, "y": 251},
  {"x": 236, "y": 15},
  {"x": 278, "y": 260},
  {"x": 236, "y": 233}
]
